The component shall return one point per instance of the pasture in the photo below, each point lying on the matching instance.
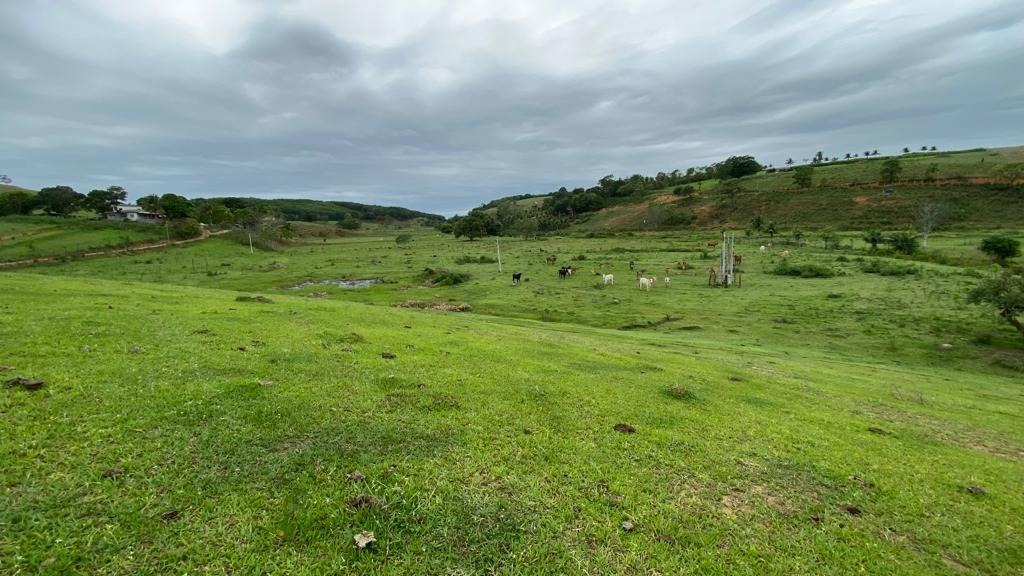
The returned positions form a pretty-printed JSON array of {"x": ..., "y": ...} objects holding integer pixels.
[
  {"x": 25, "y": 237},
  {"x": 864, "y": 422}
]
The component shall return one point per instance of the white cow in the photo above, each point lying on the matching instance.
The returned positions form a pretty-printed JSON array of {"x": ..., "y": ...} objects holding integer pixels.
[
  {"x": 646, "y": 283},
  {"x": 762, "y": 249},
  {"x": 608, "y": 278}
]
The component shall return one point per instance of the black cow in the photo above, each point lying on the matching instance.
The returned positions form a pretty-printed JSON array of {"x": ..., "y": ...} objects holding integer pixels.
[{"x": 516, "y": 277}]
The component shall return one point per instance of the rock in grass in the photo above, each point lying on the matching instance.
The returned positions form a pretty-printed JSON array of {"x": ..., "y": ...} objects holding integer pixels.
[
  {"x": 388, "y": 355},
  {"x": 30, "y": 384},
  {"x": 6, "y": 368},
  {"x": 261, "y": 299},
  {"x": 852, "y": 509},
  {"x": 976, "y": 490},
  {"x": 362, "y": 501},
  {"x": 879, "y": 431},
  {"x": 364, "y": 539},
  {"x": 170, "y": 515},
  {"x": 627, "y": 526},
  {"x": 356, "y": 476},
  {"x": 115, "y": 472},
  {"x": 625, "y": 428}
]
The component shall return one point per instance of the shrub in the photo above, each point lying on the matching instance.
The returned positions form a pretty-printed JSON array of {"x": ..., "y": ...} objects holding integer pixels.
[
  {"x": 1010, "y": 361},
  {"x": 475, "y": 260},
  {"x": 442, "y": 277},
  {"x": 1001, "y": 248},
  {"x": 806, "y": 270},
  {"x": 580, "y": 257},
  {"x": 680, "y": 392},
  {"x": 185, "y": 228},
  {"x": 983, "y": 338},
  {"x": 889, "y": 268},
  {"x": 403, "y": 239},
  {"x": 680, "y": 219},
  {"x": 903, "y": 242}
]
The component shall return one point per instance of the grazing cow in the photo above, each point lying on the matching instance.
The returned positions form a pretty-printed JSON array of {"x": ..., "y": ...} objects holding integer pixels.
[
  {"x": 516, "y": 277},
  {"x": 762, "y": 249},
  {"x": 712, "y": 244},
  {"x": 712, "y": 276},
  {"x": 645, "y": 283},
  {"x": 563, "y": 273},
  {"x": 684, "y": 266},
  {"x": 632, "y": 265},
  {"x": 608, "y": 278},
  {"x": 784, "y": 254},
  {"x": 737, "y": 259},
  {"x": 666, "y": 278},
  {"x": 552, "y": 259}
]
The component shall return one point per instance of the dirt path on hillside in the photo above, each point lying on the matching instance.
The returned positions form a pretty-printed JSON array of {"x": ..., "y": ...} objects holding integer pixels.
[
  {"x": 26, "y": 233},
  {"x": 114, "y": 251}
]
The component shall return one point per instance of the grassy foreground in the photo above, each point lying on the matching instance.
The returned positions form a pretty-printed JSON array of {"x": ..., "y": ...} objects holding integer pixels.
[{"x": 182, "y": 431}]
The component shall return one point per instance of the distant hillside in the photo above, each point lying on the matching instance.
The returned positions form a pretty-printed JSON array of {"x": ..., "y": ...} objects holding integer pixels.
[
  {"x": 982, "y": 188},
  {"x": 320, "y": 210},
  {"x": 4, "y": 188}
]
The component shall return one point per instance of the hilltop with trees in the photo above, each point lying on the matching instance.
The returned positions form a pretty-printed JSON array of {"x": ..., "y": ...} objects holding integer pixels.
[{"x": 921, "y": 190}]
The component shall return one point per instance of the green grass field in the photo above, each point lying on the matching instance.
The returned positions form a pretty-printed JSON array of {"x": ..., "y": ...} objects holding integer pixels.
[
  {"x": 26, "y": 237},
  {"x": 791, "y": 426}
]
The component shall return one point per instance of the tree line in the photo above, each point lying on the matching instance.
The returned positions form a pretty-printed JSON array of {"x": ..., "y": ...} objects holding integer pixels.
[{"x": 65, "y": 201}]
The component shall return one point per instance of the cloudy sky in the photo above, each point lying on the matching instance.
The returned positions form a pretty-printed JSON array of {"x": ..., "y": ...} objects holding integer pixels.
[{"x": 442, "y": 105}]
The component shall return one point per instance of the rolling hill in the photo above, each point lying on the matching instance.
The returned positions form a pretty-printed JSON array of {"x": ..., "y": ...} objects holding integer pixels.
[{"x": 974, "y": 188}]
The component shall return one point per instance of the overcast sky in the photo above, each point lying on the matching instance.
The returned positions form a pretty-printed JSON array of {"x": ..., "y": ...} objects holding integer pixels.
[{"x": 443, "y": 105}]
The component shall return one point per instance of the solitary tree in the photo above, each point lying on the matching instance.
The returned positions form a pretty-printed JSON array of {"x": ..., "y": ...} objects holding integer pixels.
[
  {"x": 867, "y": 153},
  {"x": 924, "y": 148},
  {"x": 789, "y": 161},
  {"x": 928, "y": 217},
  {"x": 891, "y": 169},
  {"x": 5, "y": 179},
  {"x": 934, "y": 148},
  {"x": 906, "y": 150},
  {"x": 874, "y": 237},
  {"x": 403, "y": 239},
  {"x": 1001, "y": 248},
  {"x": 1004, "y": 292},
  {"x": 803, "y": 176}
]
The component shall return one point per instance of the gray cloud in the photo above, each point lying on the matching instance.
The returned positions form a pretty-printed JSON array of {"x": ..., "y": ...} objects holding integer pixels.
[{"x": 457, "y": 104}]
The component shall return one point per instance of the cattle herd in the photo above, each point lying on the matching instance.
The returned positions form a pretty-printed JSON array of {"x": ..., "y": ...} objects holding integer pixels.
[{"x": 644, "y": 281}]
